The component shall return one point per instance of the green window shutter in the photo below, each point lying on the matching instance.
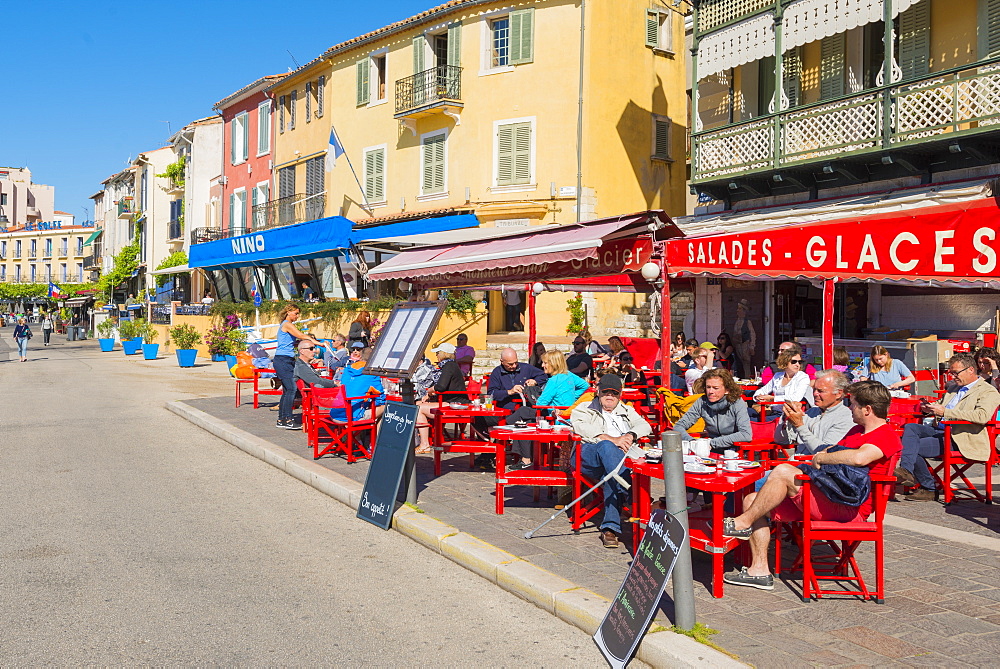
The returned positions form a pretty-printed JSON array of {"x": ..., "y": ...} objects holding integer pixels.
[
  {"x": 281, "y": 114},
  {"x": 455, "y": 44},
  {"x": 661, "y": 138},
  {"x": 989, "y": 21},
  {"x": 419, "y": 51},
  {"x": 320, "y": 91},
  {"x": 915, "y": 39},
  {"x": 362, "y": 70},
  {"x": 432, "y": 180},
  {"x": 522, "y": 153},
  {"x": 246, "y": 135},
  {"x": 652, "y": 28},
  {"x": 831, "y": 66},
  {"x": 233, "y": 133},
  {"x": 514, "y": 154},
  {"x": 375, "y": 175},
  {"x": 522, "y": 29},
  {"x": 792, "y": 75},
  {"x": 505, "y": 155},
  {"x": 309, "y": 94}
]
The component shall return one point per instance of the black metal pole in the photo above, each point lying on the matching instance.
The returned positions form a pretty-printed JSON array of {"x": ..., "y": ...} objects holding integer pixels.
[{"x": 410, "y": 469}]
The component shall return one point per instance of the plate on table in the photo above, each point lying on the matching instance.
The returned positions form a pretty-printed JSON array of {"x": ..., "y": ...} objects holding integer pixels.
[
  {"x": 698, "y": 468},
  {"x": 748, "y": 464},
  {"x": 455, "y": 405}
]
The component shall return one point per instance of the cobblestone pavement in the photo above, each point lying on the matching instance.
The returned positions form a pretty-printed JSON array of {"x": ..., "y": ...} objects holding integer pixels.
[{"x": 941, "y": 607}]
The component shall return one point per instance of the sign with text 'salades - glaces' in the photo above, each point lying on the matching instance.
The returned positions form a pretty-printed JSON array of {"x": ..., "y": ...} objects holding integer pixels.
[
  {"x": 637, "y": 600},
  {"x": 378, "y": 498}
]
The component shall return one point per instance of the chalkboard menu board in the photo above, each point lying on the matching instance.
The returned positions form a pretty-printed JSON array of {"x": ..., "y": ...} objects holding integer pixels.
[
  {"x": 378, "y": 499},
  {"x": 635, "y": 604}
]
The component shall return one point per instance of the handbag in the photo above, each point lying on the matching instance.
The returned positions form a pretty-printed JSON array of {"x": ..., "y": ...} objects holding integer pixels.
[{"x": 844, "y": 484}]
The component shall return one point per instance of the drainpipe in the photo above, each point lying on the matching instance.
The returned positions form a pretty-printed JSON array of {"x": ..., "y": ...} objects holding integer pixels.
[{"x": 579, "y": 116}]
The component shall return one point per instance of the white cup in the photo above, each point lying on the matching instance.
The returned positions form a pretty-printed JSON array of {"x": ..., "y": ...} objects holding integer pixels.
[
  {"x": 732, "y": 465},
  {"x": 730, "y": 455},
  {"x": 702, "y": 448}
]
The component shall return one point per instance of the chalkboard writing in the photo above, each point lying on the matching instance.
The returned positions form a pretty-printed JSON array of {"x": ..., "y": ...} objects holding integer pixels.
[
  {"x": 378, "y": 498},
  {"x": 636, "y": 602}
]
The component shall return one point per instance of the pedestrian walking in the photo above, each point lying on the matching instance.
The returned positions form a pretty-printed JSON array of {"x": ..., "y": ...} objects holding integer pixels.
[
  {"x": 47, "y": 327},
  {"x": 22, "y": 333}
]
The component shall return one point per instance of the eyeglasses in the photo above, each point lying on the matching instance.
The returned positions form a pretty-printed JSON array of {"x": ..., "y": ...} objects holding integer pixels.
[
  {"x": 951, "y": 373},
  {"x": 579, "y": 343},
  {"x": 306, "y": 348}
]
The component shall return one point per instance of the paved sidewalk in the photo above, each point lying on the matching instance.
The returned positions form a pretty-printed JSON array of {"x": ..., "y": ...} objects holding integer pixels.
[{"x": 941, "y": 608}]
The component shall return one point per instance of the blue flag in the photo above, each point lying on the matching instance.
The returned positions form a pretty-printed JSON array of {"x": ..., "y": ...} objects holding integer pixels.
[{"x": 334, "y": 150}]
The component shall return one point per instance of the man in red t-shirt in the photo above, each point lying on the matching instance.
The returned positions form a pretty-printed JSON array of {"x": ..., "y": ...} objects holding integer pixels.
[{"x": 873, "y": 444}]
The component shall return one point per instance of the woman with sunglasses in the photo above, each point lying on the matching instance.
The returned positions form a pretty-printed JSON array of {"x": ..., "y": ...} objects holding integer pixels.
[
  {"x": 791, "y": 384},
  {"x": 890, "y": 373}
]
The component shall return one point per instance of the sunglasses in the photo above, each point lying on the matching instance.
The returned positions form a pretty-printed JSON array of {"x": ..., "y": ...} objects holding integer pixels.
[
  {"x": 579, "y": 343},
  {"x": 307, "y": 348},
  {"x": 796, "y": 362}
]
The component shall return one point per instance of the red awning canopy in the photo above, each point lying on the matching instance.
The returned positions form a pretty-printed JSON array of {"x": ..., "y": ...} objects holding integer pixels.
[
  {"x": 594, "y": 248},
  {"x": 948, "y": 243}
]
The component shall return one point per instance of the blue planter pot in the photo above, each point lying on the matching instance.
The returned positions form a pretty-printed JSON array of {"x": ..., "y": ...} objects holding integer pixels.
[
  {"x": 230, "y": 363},
  {"x": 138, "y": 340},
  {"x": 130, "y": 346},
  {"x": 107, "y": 345},
  {"x": 149, "y": 351},
  {"x": 218, "y": 357},
  {"x": 186, "y": 357}
]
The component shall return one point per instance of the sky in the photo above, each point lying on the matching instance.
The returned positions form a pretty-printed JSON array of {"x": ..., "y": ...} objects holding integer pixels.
[{"x": 88, "y": 85}]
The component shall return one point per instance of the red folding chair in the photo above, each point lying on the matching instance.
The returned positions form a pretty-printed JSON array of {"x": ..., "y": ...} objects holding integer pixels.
[
  {"x": 327, "y": 435},
  {"x": 954, "y": 466},
  {"x": 239, "y": 383},
  {"x": 761, "y": 445},
  {"x": 258, "y": 391}
]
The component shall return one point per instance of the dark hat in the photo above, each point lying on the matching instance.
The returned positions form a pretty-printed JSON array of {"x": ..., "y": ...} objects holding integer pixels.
[
  {"x": 609, "y": 382},
  {"x": 257, "y": 351}
]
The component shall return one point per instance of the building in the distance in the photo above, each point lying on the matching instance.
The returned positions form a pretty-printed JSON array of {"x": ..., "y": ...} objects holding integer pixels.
[
  {"x": 21, "y": 200},
  {"x": 45, "y": 251}
]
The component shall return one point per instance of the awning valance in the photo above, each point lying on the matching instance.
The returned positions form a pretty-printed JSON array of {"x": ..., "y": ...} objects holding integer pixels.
[
  {"x": 948, "y": 243},
  {"x": 93, "y": 236},
  {"x": 176, "y": 269},
  {"x": 594, "y": 248},
  {"x": 77, "y": 301}
]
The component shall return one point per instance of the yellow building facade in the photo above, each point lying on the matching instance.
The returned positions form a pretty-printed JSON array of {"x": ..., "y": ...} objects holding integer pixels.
[
  {"x": 44, "y": 252},
  {"x": 473, "y": 107}
]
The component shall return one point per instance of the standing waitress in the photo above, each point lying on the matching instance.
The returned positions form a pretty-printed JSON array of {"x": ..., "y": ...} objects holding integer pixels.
[{"x": 284, "y": 364}]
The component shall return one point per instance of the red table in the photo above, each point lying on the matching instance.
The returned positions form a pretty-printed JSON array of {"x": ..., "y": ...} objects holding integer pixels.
[
  {"x": 459, "y": 416},
  {"x": 545, "y": 474},
  {"x": 706, "y": 526}
]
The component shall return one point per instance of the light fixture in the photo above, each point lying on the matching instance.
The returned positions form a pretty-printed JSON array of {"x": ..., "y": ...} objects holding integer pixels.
[
  {"x": 887, "y": 160},
  {"x": 828, "y": 169},
  {"x": 777, "y": 178},
  {"x": 650, "y": 271},
  {"x": 537, "y": 288},
  {"x": 954, "y": 147},
  {"x": 404, "y": 285},
  {"x": 733, "y": 185}
]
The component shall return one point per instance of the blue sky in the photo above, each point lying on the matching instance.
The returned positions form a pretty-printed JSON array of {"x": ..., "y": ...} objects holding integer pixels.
[{"x": 89, "y": 84}]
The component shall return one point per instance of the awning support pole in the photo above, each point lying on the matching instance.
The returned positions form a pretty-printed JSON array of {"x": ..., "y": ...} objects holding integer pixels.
[
  {"x": 665, "y": 334},
  {"x": 531, "y": 319},
  {"x": 828, "y": 292}
]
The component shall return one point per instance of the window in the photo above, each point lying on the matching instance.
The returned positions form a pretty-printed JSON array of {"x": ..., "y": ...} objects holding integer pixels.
[
  {"x": 915, "y": 40},
  {"x": 64, "y": 246},
  {"x": 79, "y": 271},
  {"x": 500, "y": 42},
  {"x": 34, "y": 248},
  {"x": 378, "y": 74},
  {"x": 3, "y": 272},
  {"x": 17, "y": 249},
  {"x": 661, "y": 137},
  {"x": 291, "y": 109},
  {"x": 263, "y": 128},
  {"x": 320, "y": 86},
  {"x": 309, "y": 101},
  {"x": 79, "y": 246},
  {"x": 3, "y": 249},
  {"x": 62, "y": 271},
  {"x": 48, "y": 272},
  {"x": 514, "y": 154},
  {"x": 258, "y": 197},
  {"x": 3, "y": 199},
  {"x": 34, "y": 274},
  {"x": 832, "y": 66},
  {"x": 375, "y": 174},
  {"x": 660, "y": 30},
  {"x": 433, "y": 161},
  {"x": 48, "y": 248},
  {"x": 17, "y": 273},
  {"x": 281, "y": 114},
  {"x": 238, "y": 210},
  {"x": 239, "y": 138},
  {"x": 510, "y": 40}
]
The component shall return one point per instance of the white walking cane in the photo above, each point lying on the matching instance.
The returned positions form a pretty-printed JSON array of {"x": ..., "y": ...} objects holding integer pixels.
[{"x": 633, "y": 452}]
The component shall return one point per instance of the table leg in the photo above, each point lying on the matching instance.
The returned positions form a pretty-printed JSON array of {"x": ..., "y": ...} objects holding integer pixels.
[
  {"x": 501, "y": 467},
  {"x": 718, "y": 558}
]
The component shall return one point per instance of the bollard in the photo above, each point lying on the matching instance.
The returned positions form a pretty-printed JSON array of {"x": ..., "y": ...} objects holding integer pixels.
[
  {"x": 676, "y": 494},
  {"x": 410, "y": 469}
]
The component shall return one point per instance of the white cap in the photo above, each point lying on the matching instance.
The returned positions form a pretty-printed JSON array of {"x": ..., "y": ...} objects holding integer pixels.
[{"x": 444, "y": 347}]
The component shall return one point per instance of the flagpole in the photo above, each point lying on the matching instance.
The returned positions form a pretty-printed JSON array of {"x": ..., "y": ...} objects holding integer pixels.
[
  {"x": 364, "y": 196},
  {"x": 337, "y": 149}
]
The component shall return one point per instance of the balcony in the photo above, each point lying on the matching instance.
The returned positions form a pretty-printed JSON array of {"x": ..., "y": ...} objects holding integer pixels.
[
  {"x": 297, "y": 208},
  {"x": 126, "y": 207},
  {"x": 938, "y": 121},
  {"x": 201, "y": 235},
  {"x": 64, "y": 251},
  {"x": 714, "y": 14},
  {"x": 92, "y": 261},
  {"x": 434, "y": 91},
  {"x": 175, "y": 231}
]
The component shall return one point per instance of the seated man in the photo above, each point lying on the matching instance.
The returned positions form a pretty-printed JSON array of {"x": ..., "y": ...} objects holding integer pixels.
[
  {"x": 580, "y": 362},
  {"x": 702, "y": 360},
  {"x": 303, "y": 366},
  {"x": 873, "y": 443},
  {"x": 507, "y": 383},
  {"x": 464, "y": 354},
  {"x": 823, "y": 424},
  {"x": 357, "y": 384},
  {"x": 607, "y": 428},
  {"x": 969, "y": 398},
  {"x": 340, "y": 352}
]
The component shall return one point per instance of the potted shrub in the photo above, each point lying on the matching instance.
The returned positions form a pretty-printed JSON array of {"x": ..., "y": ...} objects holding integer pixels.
[
  {"x": 106, "y": 330},
  {"x": 185, "y": 338},
  {"x": 217, "y": 341},
  {"x": 149, "y": 335},
  {"x": 129, "y": 333}
]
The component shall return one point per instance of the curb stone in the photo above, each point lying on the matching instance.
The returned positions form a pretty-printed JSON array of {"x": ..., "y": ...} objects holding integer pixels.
[{"x": 572, "y": 604}]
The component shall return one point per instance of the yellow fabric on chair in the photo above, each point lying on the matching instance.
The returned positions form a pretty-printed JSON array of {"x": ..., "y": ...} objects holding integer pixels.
[{"x": 675, "y": 406}]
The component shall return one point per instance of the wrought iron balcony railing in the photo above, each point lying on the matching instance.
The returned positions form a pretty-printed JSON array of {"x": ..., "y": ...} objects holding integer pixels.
[
  {"x": 437, "y": 84},
  {"x": 174, "y": 230},
  {"x": 159, "y": 314},
  {"x": 297, "y": 208},
  {"x": 201, "y": 235},
  {"x": 944, "y": 105}
]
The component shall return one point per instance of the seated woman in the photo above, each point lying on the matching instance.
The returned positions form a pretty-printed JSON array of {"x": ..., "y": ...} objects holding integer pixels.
[
  {"x": 537, "y": 351},
  {"x": 726, "y": 353},
  {"x": 625, "y": 369},
  {"x": 726, "y": 418},
  {"x": 790, "y": 384},
  {"x": 450, "y": 381},
  {"x": 890, "y": 373},
  {"x": 561, "y": 390},
  {"x": 357, "y": 384},
  {"x": 988, "y": 362}
]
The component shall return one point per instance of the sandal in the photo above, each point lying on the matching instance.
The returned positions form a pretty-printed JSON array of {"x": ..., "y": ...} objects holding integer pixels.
[{"x": 423, "y": 450}]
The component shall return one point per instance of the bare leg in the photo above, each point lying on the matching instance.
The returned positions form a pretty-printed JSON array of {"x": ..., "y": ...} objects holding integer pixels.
[{"x": 779, "y": 486}]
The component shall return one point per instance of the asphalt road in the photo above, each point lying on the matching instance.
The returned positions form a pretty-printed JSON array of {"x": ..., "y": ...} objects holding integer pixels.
[{"x": 130, "y": 536}]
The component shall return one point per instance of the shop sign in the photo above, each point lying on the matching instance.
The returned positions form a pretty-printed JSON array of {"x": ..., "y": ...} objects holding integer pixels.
[{"x": 939, "y": 242}]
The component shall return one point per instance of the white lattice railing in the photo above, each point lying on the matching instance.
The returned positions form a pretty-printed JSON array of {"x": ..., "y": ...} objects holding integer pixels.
[
  {"x": 715, "y": 13},
  {"x": 956, "y": 102}
]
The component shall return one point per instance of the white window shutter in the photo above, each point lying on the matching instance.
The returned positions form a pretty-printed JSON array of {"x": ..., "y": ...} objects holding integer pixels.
[
  {"x": 233, "y": 133},
  {"x": 652, "y": 28},
  {"x": 246, "y": 135},
  {"x": 915, "y": 40},
  {"x": 362, "y": 71},
  {"x": 832, "y": 66},
  {"x": 522, "y": 30}
]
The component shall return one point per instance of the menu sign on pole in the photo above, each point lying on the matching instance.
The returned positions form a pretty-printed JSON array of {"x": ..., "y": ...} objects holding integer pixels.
[
  {"x": 404, "y": 339},
  {"x": 637, "y": 600},
  {"x": 378, "y": 498}
]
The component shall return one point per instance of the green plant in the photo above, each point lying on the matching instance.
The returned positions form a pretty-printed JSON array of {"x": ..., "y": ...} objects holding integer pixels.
[
  {"x": 461, "y": 302},
  {"x": 128, "y": 330},
  {"x": 703, "y": 634},
  {"x": 175, "y": 259},
  {"x": 184, "y": 336},
  {"x": 146, "y": 330},
  {"x": 577, "y": 315},
  {"x": 329, "y": 312},
  {"x": 175, "y": 172},
  {"x": 237, "y": 341},
  {"x": 106, "y": 328}
]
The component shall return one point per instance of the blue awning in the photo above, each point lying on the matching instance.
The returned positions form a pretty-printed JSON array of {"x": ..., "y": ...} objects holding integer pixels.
[{"x": 322, "y": 238}]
